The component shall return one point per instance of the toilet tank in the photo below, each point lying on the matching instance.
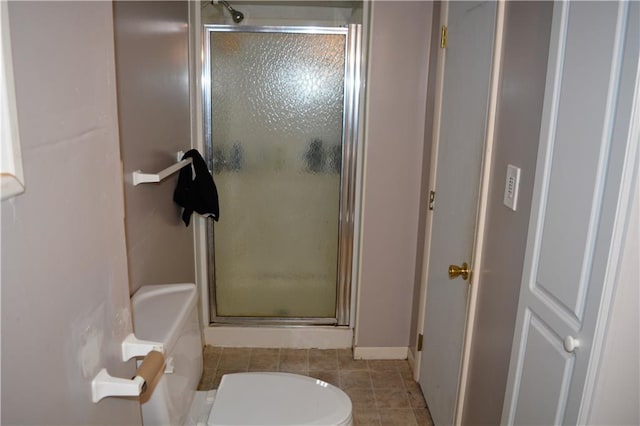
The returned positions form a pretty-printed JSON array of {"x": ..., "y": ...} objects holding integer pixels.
[{"x": 168, "y": 314}]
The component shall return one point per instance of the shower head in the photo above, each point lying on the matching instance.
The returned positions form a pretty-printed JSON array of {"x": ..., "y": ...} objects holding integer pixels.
[{"x": 235, "y": 15}]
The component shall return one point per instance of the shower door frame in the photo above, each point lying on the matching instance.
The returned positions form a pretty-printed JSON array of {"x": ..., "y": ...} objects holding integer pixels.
[{"x": 346, "y": 217}]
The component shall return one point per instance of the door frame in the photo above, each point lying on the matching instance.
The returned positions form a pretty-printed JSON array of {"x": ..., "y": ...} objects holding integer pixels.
[
  {"x": 347, "y": 216},
  {"x": 483, "y": 196}
]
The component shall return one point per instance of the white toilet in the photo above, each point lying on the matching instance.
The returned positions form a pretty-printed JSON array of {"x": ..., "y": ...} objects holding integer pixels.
[{"x": 168, "y": 314}]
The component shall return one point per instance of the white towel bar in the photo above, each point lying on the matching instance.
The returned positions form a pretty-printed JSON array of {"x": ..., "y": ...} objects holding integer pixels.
[{"x": 139, "y": 177}]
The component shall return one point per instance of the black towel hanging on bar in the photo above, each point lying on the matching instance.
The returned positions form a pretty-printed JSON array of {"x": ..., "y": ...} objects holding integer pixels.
[{"x": 197, "y": 194}]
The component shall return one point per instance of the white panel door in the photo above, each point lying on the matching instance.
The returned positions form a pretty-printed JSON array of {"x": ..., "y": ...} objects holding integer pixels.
[
  {"x": 585, "y": 160},
  {"x": 465, "y": 86}
]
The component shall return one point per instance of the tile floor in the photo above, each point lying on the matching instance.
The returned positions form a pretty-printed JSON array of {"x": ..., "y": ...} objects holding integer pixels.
[{"x": 382, "y": 391}]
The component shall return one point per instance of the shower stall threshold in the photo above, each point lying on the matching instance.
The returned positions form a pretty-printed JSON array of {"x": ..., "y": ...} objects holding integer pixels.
[
  {"x": 301, "y": 337},
  {"x": 273, "y": 321}
]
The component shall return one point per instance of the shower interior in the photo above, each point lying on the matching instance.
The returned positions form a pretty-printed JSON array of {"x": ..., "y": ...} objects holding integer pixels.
[{"x": 281, "y": 106}]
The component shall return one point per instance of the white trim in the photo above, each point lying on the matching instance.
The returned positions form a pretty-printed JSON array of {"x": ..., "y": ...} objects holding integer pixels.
[
  {"x": 391, "y": 352},
  {"x": 279, "y": 337},
  {"x": 11, "y": 171},
  {"x": 411, "y": 358},
  {"x": 361, "y": 184},
  {"x": 435, "y": 139},
  {"x": 472, "y": 302}
]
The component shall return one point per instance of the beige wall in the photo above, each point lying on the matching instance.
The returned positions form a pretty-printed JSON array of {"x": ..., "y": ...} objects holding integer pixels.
[
  {"x": 527, "y": 30},
  {"x": 153, "y": 102},
  {"x": 397, "y": 85},
  {"x": 65, "y": 296}
]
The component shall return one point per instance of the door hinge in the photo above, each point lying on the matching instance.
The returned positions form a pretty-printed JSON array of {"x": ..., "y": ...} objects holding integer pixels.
[
  {"x": 420, "y": 337},
  {"x": 443, "y": 37},
  {"x": 432, "y": 199}
]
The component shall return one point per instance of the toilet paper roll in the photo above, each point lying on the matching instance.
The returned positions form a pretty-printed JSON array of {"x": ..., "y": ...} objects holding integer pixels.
[{"x": 152, "y": 366}]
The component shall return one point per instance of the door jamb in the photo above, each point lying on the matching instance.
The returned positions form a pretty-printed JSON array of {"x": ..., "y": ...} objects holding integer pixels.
[
  {"x": 483, "y": 200},
  {"x": 435, "y": 140}
]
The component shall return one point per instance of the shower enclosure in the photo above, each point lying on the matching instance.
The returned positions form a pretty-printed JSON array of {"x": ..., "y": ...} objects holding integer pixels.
[{"x": 280, "y": 132}]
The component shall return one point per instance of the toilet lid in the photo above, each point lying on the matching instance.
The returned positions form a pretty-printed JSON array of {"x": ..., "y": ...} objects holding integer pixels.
[{"x": 278, "y": 399}]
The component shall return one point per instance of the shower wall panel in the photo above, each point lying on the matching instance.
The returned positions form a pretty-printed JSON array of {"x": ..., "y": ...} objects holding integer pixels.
[{"x": 153, "y": 103}]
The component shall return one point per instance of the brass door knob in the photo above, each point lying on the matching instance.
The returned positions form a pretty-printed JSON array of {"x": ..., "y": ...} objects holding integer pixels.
[{"x": 462, "y": 271}]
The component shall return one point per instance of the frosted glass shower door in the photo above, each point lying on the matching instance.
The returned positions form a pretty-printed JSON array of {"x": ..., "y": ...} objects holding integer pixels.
[{"x": 277, "y": 101}]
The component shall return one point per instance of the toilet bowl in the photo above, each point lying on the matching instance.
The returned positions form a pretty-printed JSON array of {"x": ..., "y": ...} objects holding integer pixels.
[{"x": 168, "y": 314}]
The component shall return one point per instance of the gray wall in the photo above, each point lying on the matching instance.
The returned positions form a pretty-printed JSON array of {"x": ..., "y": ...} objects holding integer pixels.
[
  {"x": 65, "y": 298},
  {"x": 527, "y": 31},
  {"x": 397, "y": 86},
  {"x": 153, "y": 101}
]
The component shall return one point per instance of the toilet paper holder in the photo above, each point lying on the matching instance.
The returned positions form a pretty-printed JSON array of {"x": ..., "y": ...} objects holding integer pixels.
[
  {"x": 104, "y": 385},
  {"x": 133, "y": 347}
]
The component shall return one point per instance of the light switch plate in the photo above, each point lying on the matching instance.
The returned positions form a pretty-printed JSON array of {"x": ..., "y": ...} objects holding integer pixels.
[{"x": 511, "y": 186}]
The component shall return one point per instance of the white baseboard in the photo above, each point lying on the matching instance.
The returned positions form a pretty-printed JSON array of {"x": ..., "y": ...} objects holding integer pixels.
[
  {"x": 399, "y": 352},
  {"x": 279, "y": 337}
]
